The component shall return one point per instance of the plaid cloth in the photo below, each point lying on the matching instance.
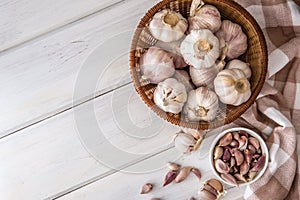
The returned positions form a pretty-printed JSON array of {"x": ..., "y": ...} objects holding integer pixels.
[{"x": 276, "y": 112}]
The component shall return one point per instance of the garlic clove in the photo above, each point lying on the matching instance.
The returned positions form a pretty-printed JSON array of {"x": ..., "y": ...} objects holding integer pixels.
[
  {"x": 232, "y": 162},
  {"x": 239, "y": 157},
  {"x": 170, "y": 176},
  {"x": 227, "y": 155},
  {"x": 204, "y": 76},
  {"x": 210, "y": 189},
  {"x": 173, "y": 166},
  {"x": 251, "y": 175},
  {"x": 238, "y": 64},
  {"x": 234, "y": 144},
  {"x": 254, "y": 142},
  {"x": 244, "y": 168},
  {"x": 200, "y": 48},
  {"x": 196, "y": 172},
  {"x": 184, "y": 142},
  {"x": 183, "y": 174},
  {"x": 221, "y": 166},
  {"x": 251, "y": 148},
  {"x": 243, "y": 142},
  {"x": 229, "y": 178},
  {"x": 216, "y": 184},
  {"x": 225, "y": 140},
  {"x": 206, "y": 195},
  {"x": 218, "y": 152},
  {"x": 168, "y": 26},
  {"x": 248, "y": 156},
  {"x": 146, "y": 188},
  {"x": 259, "y": 164},
  {"x": 240, "y": 177}
]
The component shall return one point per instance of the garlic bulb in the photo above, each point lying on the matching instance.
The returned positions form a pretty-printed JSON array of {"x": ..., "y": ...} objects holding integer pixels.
[
  {"x": 156, "y": 65},
  {"x": 184, "y": 142},
  {"x": 232, "y": 39},
  {"x": 184, "y": 78},
  {"x": 238, "y": 64},
  {"x": 204, "y": 76},
  {"x": 168, "y": 25},
  {"x": 204, "y": 17},
  {"x": 232, "y": 87},
  {"x": 200, "y": 48},
  {"x": 170, "y": 95},
  {"x": 202, "y": 104}
]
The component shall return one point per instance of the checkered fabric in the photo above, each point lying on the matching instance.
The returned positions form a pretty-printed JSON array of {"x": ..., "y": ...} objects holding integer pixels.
[{"x": 276, "y": 112}]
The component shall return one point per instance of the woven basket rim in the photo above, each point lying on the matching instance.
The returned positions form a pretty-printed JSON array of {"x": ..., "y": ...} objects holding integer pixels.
[{"x": 202, "y": 125}]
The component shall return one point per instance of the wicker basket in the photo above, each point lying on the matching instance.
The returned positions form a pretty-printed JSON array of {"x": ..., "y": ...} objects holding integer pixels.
[{"x": 256, "y": 55}]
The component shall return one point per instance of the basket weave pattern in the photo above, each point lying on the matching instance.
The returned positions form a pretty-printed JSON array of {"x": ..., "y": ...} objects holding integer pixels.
[{"x": 256, "y": 55}]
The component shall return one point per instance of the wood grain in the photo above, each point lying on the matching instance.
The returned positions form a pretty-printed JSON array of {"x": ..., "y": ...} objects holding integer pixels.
[
  {"x": 23, "y": 20},
  {"x": 37, "y": 80}
]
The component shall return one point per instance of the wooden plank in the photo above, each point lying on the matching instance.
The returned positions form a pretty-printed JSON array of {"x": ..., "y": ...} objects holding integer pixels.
[
  {"x": 23, "y": 20},
  {"x": 37, "y": 80},
  {"x": 50, "y": 158}
]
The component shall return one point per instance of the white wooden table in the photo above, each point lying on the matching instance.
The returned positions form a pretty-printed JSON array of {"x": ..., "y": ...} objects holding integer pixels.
[{"x": 48, "y": 51}]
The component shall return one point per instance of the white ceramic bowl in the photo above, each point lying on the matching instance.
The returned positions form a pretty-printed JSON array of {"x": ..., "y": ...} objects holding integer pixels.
[{"x": 264, "y": 150}]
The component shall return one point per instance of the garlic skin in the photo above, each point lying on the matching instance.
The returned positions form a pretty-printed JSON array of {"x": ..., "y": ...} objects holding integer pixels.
[
  {"x": 232, "y": 87},
  {"x": 168, "y": 25},
  {"x": 238, "y": 64},
  {"x": 204, "y": 76},
  {"x": 204, "y": 17},
  {"x": 156, "y": 65},
  {"x": 200, "y": 48},
  {"x": 202, "y": 104},
  {"x": 232, "y": 39},
  {"x": 184, "y": 78},
  {"x": 184, "y": 142},
  {"x": 170, "y": 95}
]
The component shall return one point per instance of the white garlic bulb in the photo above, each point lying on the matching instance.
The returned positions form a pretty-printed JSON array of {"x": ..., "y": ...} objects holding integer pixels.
[
  {"x": 202, "y": 104},
  {"x": 204, "y": 17},
  {"x": 168, "y": 25},
  {"x": 156, "y": 65},
  {"x": 184, "y": 78},
  {"x": 238, "y": 64},
  {"x": 170, "y": 95},
  {"x": 232, "y": 39},
  {"x": 204, "y": 76},
  {"x": 232, "y": 87},
  {"x": 184, "y": 142},
  {"x": 200, "y": 48}
]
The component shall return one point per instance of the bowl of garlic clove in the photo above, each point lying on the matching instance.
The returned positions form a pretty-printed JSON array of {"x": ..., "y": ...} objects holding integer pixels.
[
  {"x": 238, "y": 156},
  {"x": 173, "y": 38}
]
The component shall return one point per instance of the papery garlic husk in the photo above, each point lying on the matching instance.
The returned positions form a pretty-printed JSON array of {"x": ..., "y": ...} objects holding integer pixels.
[
  {"x": 184, "y": 78},
  {"x": 184, "y": 142},
  {"x": 204, "y": 76},
  {"x": 156, "y": 65},
  {"x": 170, "y": 95},
  {"x": 232, "y": 38},
  {"x": 238, "y": 64},
  {"x": 168, "y": 26},
  {"x": 202, "y": 104},
  {"x": 232, "y": 87},
  {"x": 200, "y": 48},
  {"x": 204, "y": 17}
]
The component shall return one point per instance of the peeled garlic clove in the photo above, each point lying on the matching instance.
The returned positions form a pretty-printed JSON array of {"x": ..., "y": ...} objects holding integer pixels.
[
  {"x": 205, "y": 17},
  {"x": 173, "y": 166},
  {"x": 218, "y": 152},
  {"x": 170, "y": 176},
  {"x": 168, "y": 26},
  {"x": 170, "y": 95},
  {"x": 221, "y": 166},
  {"x": 203, "y": 76},
  {"x": 225, "y": 140},
  {"x": 243, "y": 142},
  {"x": 254, "y": 142},
  {"x": 229, "y": 179},
  {"x": 202, "y": 104},
  {"x": 239, "y": 157},
  {"x": 183, "y": 174},
  {"x": 156, "y": 65},
  {"x": 231, "y": 35},
  {"x": 232, "y": 162},
  {"x": 226, "y": 155},
  {"x": 248, "y": 156},
  {"x": 216, "y": 184},
  {"x": 184, "y": 142},
  {"x": 146, "y": 188},
  {"x": 259, "y": 164},
  {"x": 200, "y": 48},
  {"x": 206, "y": 195},
  {"x": 238, "y": 64},
  {"x": 232, "y": 87},
  {"x": 184, "y": 78},
  {"x": 244, "y": 168},
  {"x": 196, "y": 172},
  {"x": 240, "y": 177}
]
